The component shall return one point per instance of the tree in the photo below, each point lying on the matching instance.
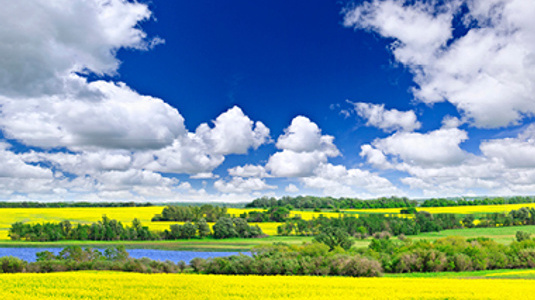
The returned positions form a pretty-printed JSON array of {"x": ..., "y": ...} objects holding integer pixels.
[
  {"x": 224, "y": 228},
  {"x": 203, "y": 228},
  {"x": 334, "y": 237}
]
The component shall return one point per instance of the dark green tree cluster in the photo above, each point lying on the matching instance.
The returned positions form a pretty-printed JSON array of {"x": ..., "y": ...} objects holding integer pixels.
[
  {"x": 450, "y": 254},
  {"x": 191, "y": 213},
  {"x": 188, "y": 230},
  {"x": 370, "y": 224},
  {"x": 366, "y": 225},
  {"x": 112, "y": 230},
  {"x": 235, "y": 228},
  {"x": 272, "y": 214},
  {"x": 281, "y": 259},
  {"x": 311, "y": 202},
  {"x": 441, "y": 202},
  {"x": 104, "y": 230}
]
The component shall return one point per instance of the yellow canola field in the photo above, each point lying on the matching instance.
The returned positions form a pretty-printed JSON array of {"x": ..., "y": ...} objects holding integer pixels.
[
  {"x": 115, "y": 285},
  {"x": 87, "y": 215},
  {"x": 452, "y": 209}
]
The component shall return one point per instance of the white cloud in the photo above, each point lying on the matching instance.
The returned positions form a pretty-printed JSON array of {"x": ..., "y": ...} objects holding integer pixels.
[
  {"x": 58, "y": 38},
  {"x": 248, "y": 171},
  {"x": 388, "y": 120},
  {"x": 338, "y": 181},
  {"x": 303, "y": 149},
  {"x": 487, "y": 73},
  {"x": 513, "y": 152},
  {"x": 439, "y": 147},
  {"x": 233, "y": 133},
  {"x": 291, "y": 188},
  {"x": 504, "y": 167},
  {"x": 240, "y": 185},
  {"x": 119, "y": 118},
  {"x": 304, "y": 135}
]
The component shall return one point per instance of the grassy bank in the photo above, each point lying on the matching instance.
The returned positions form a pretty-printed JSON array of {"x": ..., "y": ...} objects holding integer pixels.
[
  {"x": 206, "y": 244},
  {"x": 503, "y": 235}
]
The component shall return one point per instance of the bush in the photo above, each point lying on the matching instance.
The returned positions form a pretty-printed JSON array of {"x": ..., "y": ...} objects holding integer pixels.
[
  {"x": 10, "y": 264},
  {"x": 522, "y": 236}
]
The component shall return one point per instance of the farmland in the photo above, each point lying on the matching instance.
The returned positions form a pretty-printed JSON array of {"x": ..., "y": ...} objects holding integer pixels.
[
  {"x": 127, "y": 214},
  {"x": 115, "y": 285}
]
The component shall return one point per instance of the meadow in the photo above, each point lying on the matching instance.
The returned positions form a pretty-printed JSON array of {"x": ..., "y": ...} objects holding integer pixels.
[{"x": 117, "y": 285}]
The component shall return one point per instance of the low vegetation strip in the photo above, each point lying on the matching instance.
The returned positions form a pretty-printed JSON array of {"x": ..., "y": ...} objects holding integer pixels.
[{"x": 117, "y": 285}]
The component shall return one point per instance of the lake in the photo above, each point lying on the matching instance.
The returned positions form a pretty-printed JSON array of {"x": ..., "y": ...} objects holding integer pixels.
[{"x": 28, "y": 254}]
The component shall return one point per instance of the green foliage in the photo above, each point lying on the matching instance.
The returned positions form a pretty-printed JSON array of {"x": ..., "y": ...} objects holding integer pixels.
[
  {"x": 334, "y": 237},
  {"x": 522, "y": 236},
  {"x": 191, "y": 213},
  {"x": 233, "y": 228},
  {"x": 313, "y": 202},
  {"x": 442, "y": 202}
]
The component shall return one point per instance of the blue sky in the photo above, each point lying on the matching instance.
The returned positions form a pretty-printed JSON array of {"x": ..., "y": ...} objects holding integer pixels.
[{"x": 233, "y": 100}]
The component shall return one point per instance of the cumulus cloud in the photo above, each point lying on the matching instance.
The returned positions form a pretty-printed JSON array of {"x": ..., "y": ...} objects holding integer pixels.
[
  {"x": 59, "y": 38},
  {"x": 248, "y": 171},
  {"x": 439, "y": 147},
  {"x": 338, "y": 181},
  {"x": 487, "y": 72},
  {"x": 97, "y": 139},
  {"x": 240, "y": 185},
  {"x": 504, "y": 167},
  {"x": 233, "y": 133},
  {"x": 291, "y": 188},
  {"x": 119, "y": 118},
  {"x": 303, "y": 149},
  {"x": 388, "y": 120}
]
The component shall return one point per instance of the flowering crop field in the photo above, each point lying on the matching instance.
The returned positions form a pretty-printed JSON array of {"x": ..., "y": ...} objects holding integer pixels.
[
  {"x": 116, "y": 285},
  {"x": 86, "y": 215}
]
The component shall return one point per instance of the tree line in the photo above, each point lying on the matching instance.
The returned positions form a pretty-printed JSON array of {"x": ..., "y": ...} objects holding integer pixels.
[
  {"x": 369, "y": 224},
  {"x": 311, "y": 202},
  {"x": 191, "y": 213},
  {"x": 26, "y": 204},
  {"x": 112, "y": 230},
  {"x": 441, "y": 202}
]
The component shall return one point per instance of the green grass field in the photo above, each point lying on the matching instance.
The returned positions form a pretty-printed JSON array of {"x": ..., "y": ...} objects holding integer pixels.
[
  {"x": 490, "y": 274},
  {"x": 184, "y": 245},
  {"x": 503, "y": 235}
]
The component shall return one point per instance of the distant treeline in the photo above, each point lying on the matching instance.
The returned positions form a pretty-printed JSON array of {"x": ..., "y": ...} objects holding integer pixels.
[
  {"x": 366, "y": 225},
  {"x": 440, "y": 202},
  {"x": 191, "y": 213},
  {"x": 113, "y": 230},
  {"x": 71, "y": 204},
  {"x": 34, "y": 204},
  {"x": 311, "y": 202},
  {"x": 212, "y": 213}
]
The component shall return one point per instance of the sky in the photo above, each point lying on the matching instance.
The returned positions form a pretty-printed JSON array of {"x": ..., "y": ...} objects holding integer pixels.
[{"x": 228, "y": 101}]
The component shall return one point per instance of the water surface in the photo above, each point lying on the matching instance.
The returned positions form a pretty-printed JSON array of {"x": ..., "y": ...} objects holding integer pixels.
[{"x": 28, "y": 254}]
